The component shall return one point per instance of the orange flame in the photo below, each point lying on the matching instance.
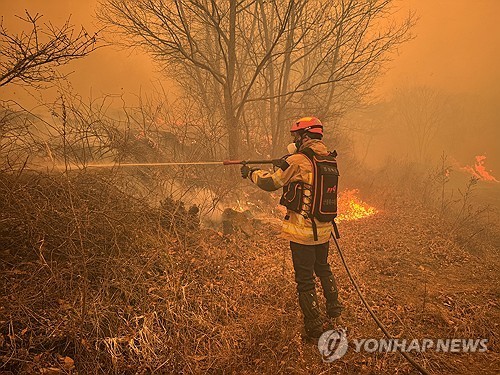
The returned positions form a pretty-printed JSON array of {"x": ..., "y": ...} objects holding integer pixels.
[
  {"x": 352, "y": 207},
  {"x": 479, "y": 170}
]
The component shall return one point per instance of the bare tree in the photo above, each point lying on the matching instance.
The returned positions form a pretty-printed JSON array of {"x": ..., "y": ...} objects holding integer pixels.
[
  {"x": 32, "y": 57},
  {"x": 420, "y": 111},
  {"x": 283, "y": 57},
  {"x": 201, "y": 38},
  {"x": 332, "y": 54}
]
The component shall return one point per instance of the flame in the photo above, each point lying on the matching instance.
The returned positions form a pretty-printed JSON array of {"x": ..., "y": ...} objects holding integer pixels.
[
  {"x": 352, "y": 207},
  {"x": 479, "y": 170}
]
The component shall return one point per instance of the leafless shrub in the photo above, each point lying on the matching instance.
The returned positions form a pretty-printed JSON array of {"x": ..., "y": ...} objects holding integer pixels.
[{"x": 32, "y": 56}]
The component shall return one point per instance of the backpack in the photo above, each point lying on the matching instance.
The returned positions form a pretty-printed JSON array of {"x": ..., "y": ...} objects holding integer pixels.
[
  {"x": 325, "y": 185},
  {"x": 319, "y": 200}
]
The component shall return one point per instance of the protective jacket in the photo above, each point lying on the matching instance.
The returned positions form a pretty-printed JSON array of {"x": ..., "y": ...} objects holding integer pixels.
[{"x": 296, "y": 227}]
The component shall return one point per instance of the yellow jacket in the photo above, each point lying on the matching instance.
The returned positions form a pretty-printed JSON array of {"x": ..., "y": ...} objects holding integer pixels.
[{"x": 296, "y": 227}]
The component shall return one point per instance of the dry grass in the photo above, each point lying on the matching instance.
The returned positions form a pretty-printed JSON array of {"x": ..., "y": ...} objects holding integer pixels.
[{"x": 91, "y": 274}]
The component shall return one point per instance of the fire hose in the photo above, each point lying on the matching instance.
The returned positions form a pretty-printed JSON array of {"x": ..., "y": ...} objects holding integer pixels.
[{"x": 367, "y": 306}]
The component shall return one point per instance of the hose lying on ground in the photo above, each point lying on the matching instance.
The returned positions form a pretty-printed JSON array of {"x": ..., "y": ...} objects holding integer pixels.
[{"x": 381, "y": 326}]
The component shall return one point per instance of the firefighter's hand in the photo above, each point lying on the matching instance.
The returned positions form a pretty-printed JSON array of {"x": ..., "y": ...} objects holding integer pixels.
[{"x": 246, "y": 171}]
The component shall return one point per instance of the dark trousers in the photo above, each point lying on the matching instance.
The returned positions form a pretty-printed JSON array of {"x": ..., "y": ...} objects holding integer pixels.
[{"x": 307, "y": 261}]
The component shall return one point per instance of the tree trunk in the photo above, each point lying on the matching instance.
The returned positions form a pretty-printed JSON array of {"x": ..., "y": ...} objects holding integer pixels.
[
  {"x": 281, "y": 126},
  {"x": 232, "y": 127},
  {"x": 231, "y": 119}
]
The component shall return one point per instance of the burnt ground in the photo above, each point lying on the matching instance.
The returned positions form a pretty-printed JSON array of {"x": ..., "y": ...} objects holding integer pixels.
[{"x": 227, "y": 304}]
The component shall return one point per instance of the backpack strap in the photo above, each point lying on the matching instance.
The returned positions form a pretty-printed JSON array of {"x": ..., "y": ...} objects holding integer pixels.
[
  {"x": 309, "y": 153},
  {"x": 315, "y": 228}
]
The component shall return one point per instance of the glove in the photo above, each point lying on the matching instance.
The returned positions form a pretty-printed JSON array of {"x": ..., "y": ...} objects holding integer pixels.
[{"x": 246, "y": 171}]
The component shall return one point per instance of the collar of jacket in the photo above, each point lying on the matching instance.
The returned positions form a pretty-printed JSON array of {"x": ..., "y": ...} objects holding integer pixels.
[{"x": 316, "y": 145}]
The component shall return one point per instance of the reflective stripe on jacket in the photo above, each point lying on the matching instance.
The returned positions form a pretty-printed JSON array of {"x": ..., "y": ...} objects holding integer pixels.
[{"x": 296, "y": 227}]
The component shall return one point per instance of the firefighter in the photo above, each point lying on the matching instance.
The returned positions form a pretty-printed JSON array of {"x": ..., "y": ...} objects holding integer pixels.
[{"x": 309, "y": 238}]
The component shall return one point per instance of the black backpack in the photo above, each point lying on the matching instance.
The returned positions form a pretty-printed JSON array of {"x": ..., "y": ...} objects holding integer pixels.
[
  {"x": 322, "y": 204},
  {"x": 325, "y": 185}
]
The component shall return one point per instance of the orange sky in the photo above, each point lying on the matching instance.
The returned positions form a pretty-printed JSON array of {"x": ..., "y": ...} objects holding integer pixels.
[
  {"x": 457, "y": 48},
  {"x": 105, "y": 71}
]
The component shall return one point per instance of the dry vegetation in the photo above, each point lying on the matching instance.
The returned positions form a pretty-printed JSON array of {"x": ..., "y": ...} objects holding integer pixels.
[
  {"x": 109, "y": 271},
  {"x": 94, "y": 281}
]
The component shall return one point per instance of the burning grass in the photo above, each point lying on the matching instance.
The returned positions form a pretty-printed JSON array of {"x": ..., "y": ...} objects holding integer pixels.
[
  {"x": 479, "y": 170},
  {"x": 352, "y": 207}
]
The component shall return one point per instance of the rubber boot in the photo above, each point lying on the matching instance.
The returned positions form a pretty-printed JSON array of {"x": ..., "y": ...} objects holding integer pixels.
[
  {"x": 308, "y": 302},
  {"x": 333, "y": 306}
]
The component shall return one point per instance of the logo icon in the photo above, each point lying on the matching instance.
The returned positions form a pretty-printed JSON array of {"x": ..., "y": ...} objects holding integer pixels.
[
  {"x": 331, "y": 189},
  {"x": 333, "y": 344}
]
